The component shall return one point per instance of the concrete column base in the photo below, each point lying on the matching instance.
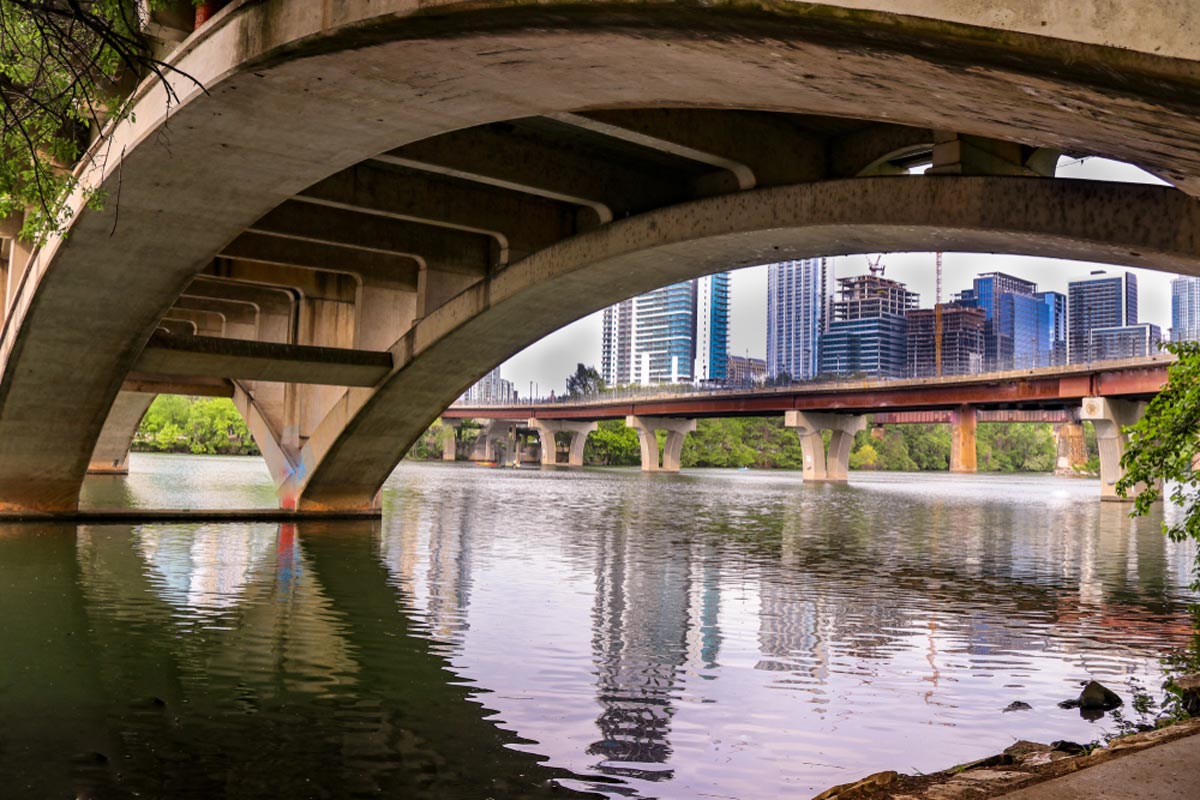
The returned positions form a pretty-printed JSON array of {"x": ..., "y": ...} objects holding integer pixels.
[
  {"x": 1110, "y": 417},
  {"x": 547, "y": 428},
  {"x": 1072, "y": 448},
  {"x": 832, "y": 466},
  {"x": 963, "y": 421},
  {"x": 677, "y": 430}
]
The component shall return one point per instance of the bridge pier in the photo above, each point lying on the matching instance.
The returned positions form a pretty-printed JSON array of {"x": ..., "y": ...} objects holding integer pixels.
[
  {"x": 111, "y": 456},
  {"x": 819, "y": 466},
  {"x": 449, "y": 442},
  {"x": 1071, "y": 446},
  {"x": 962, "y": 439},
  {"x": 547, "y": 428},
  {"x": 1109, "y": 417},
  {"x": 677, "y": 429}
]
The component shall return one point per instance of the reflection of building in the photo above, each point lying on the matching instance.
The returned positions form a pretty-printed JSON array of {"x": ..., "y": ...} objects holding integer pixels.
[
  {"x": 745, "y": 371},
  {"x": 1185, "y": 309},
  {"x": 796, "y": 300},
  {"x": 491, "y": 388},
  {"x": 679, "y": 333},
  {"x": 643, "y": 626},
  {"x": 1099, "y": 301},
  {"x": 1127, "y": 341},
  {"x": 868, "y": 332},
  {"x": 962, "y": 341}
]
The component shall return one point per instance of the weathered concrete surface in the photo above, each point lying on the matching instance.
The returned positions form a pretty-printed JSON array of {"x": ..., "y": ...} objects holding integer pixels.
[
  {"x": 366, "y": 434},
  {"x": 111, "y": 456},
  {"x": 962, "y": 439},
  {"x": 299, "y": 90},
  {"x": 1167, "y": 28},
  {"x": 578, "y": 432},
  {"x": 211, "y": 357},
  {"x": 833, "y": 466},
  {"x": 1109, "y": 417},
  {"x": 647, "y": 430},
  {"x": 1168, "y": 771}
]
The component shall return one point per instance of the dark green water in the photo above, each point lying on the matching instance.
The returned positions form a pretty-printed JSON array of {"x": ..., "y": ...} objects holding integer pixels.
[{"x": 528, "y": 634}]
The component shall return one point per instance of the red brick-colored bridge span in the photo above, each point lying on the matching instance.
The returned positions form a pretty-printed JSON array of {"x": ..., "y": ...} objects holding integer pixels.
[{"x": 1110, "y": 395}]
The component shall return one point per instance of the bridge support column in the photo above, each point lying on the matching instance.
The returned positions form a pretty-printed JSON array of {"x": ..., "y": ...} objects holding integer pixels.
[
  {"x": 449, "y": 442},
  {"x": 1109, "y": 417},
  {"x": 111, "y": 456},
  {"x": 647, "y": 427},
  {"x": 578, "y": 431},
  {"x": 818, "y": 465},
  {"x": 962, "y": 439},
  {"x": 1072, "y": 450}
]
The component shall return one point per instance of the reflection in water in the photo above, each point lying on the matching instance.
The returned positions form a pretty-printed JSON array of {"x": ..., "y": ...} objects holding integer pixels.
[{"x": 728, "y": 634}]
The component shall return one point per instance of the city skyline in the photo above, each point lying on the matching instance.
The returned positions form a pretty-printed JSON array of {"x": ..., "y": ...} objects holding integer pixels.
[{"x": 545, "y": 364}]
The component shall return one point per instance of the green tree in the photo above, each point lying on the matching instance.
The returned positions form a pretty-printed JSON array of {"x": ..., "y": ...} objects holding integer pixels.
[
  {"x": 585, "y": 382},
  {"x": 612, "y": 444},
  {"x": 1164, "y": 448},
  {"x": 66, "y": 66},
  {"x": 202, "y": 425}
]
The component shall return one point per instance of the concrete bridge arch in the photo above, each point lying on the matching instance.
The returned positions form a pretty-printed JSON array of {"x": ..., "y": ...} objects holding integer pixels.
[{"x": 300, "y": 93}]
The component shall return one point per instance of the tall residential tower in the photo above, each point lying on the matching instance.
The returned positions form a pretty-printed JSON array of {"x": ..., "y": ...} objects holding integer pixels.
[
  {"x": 679, "y": 333},
  {"x": 797, "y": 299}
]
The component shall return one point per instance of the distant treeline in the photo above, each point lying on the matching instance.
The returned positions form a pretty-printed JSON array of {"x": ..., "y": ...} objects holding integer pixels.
[
  {"x": 178, "y": 424},
  {"x": 764, "y": 443}
]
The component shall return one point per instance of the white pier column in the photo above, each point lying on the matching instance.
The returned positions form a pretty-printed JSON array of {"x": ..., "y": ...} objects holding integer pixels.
[
  {"x": 677, "y": 429},
  {"x": 819, "y": 466},
  {"x": 1109, "y": 417},
  {"x": 578, "y": 431}
]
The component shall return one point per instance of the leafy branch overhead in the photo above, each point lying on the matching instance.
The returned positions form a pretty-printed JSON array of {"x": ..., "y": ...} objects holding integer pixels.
[
  {"x": 1164, "y": 448},
  {"x": 66, "y": 68}
]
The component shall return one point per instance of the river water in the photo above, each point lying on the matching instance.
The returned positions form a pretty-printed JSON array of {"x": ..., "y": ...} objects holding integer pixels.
[{"x": 499, "y": 633}]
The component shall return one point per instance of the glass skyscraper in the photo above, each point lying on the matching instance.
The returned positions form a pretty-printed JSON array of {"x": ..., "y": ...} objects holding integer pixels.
[
  {"x": 1099, "y": 301},
  {"x": 1024, "y": 328},
  {"x": 868, "y": 332},
  {"x": 797, "y": 297},
  {"x": 1185, "y": 309},
  {"x": 679, "y": 333}
]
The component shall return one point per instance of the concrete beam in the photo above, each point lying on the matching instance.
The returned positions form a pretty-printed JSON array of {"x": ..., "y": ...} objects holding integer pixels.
[
  {"x": 833, "y": 466},
  {"x": 240, "y": 317},
  {"x": 449, "y": 249},
  {"x": 236, "y": 359},
  {"x": 872, "y": 150},
  {"x": 1110, "y": 417},
  {"x": 334, "y": 285},
  {"x": 520, "y": 223},
  {"x": 647, "y": 428},
  {"x": 153, "y": 383},
  {"x": 499, "y": 156},
  {"x": 381, "y": 269},
  {"x": 961, "y": 154}
]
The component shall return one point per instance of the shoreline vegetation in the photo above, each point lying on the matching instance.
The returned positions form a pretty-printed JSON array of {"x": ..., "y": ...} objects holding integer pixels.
[
  {"x": 213, "y": 426},
  {"x": 764, "y": 443}
]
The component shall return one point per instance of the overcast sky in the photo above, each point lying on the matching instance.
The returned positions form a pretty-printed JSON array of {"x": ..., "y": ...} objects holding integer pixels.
[{"x": 547, "y": 363}]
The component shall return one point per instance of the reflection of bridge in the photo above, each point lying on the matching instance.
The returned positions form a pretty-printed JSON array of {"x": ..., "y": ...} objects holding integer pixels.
[
  {"x": 370, "y": 204},
  {"x": 1110, "y": 395}
]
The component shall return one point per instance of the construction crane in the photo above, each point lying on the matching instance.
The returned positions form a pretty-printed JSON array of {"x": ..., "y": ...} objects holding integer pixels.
[
  {"x": 937, "y": 320},
  {"x": 877, "y": 266}
]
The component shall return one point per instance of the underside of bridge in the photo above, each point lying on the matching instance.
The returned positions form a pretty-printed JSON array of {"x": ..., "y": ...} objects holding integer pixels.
[{"x": 372, "y": 206}]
